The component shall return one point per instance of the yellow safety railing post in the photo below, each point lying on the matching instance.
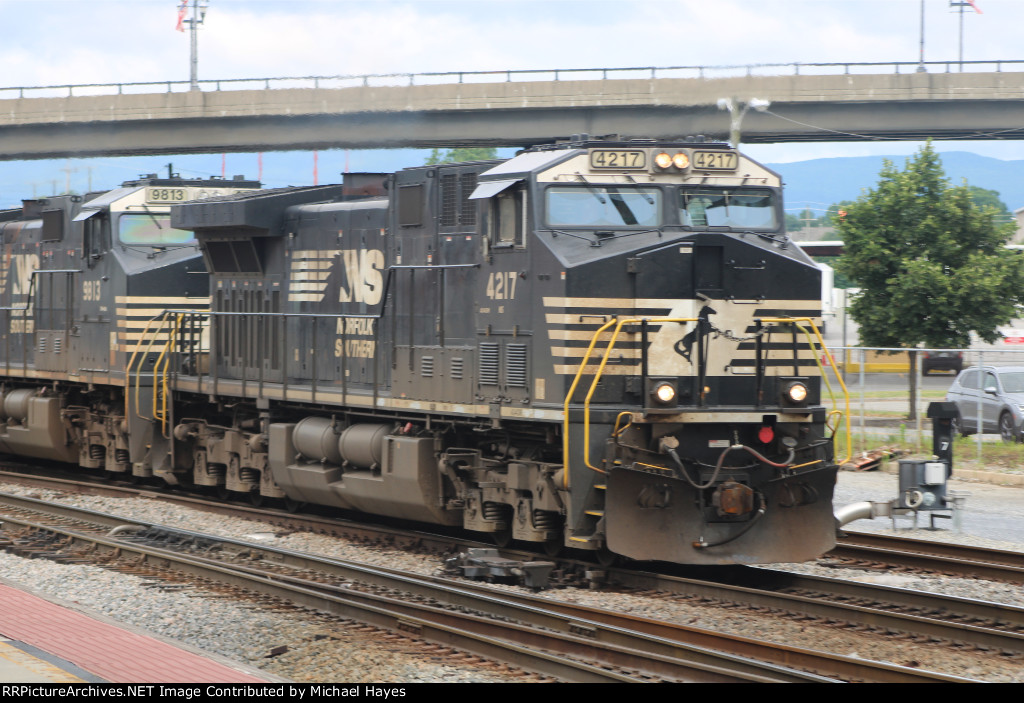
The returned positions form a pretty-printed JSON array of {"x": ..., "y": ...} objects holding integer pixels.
[{"x": 619, "y": 324}]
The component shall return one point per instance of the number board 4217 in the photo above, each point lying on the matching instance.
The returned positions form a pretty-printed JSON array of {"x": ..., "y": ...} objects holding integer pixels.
[
  {"x": 716, "y": 160},
  {"x": 628, "y": 159}
]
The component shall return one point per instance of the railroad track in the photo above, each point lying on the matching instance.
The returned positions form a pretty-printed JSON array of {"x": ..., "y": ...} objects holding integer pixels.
[
  {"x": 527, "y": 636},
  {"x": 889, "y": 553},
  {"x": 924, "y": 617},
  {"x": 888, "y": 612}
]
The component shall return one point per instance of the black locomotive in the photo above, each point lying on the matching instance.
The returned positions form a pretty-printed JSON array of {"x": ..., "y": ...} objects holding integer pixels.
[{"x": 607, "y": 345}]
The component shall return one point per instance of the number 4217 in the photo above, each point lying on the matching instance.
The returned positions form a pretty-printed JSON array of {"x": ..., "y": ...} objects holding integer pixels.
[{"x": 501, "y": 285}]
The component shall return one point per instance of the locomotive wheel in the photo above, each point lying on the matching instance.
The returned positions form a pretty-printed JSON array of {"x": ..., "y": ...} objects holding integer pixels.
[
  {"x": 223, "y": 493},
  {"x": 553, "y": 547},
  {"x": 606, "y": 558},
  {"x": 293, "y": 506},
  {"x": 255, "y": 498},
  {"x": 502, "y": 538}
]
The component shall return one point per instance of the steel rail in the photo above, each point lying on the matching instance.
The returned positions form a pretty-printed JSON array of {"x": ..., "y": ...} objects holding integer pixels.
[
  {"x": 834, "y": 600},
  {"x": 823, "y": 663},
  {"x": 531, "y": 646},
  {"x": 757, "y": 579},
  {"x": 968, "y": 561},
  {"x": 621, "y": 630}
]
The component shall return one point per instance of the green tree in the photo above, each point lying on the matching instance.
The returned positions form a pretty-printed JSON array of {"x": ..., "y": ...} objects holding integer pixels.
[
  {"x": 931, "y": 265},
  {"x": 437, "y": 156},
  {"x": 983, "y": 198}
]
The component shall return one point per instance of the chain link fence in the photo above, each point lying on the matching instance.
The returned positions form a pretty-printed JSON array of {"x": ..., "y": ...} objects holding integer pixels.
[{"x": 889, "y": 398}]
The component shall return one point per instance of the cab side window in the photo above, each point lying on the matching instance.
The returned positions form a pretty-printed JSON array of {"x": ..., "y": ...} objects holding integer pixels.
[{"x": 508, "y": 218}]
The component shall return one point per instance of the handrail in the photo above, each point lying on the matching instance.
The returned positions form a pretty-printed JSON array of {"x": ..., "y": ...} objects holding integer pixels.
[
  {"x": 131, "y": 361},
  {"x": 509, "y": 76},
  {"x": 160, "y": 369},
  {"x": 593, "y": 387},
  {"x": 619, "y": 324},
  {"x": 835, "y": 370}
]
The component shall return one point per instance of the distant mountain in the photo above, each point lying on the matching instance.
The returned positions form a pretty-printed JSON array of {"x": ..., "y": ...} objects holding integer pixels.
[
  {"x": 813, "y": 184},
  {"x": 818, "y": 183}
]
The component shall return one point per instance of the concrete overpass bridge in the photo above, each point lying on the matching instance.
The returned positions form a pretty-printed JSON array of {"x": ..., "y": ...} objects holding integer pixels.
[{"x": 808, "y": 102}]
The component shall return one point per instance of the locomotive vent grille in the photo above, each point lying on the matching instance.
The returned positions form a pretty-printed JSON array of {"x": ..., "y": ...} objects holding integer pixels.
[
  {"x": 458, "y": 364},
  {"x": 56, "y": 345},
  {"x": 468, "y": 185},
  {"x": 515, "y": 366},
  {"x": 490, "y": 354},
  {"x": 42, "y": 344},
  {"x": 427, "y": 366},
  {"x": 449, "y": 200}
]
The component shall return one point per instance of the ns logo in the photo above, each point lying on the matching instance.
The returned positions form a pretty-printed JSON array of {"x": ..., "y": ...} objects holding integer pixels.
[
  {"x": 363, "y": 279},
  {"x": 15, "y": 286},
  {"x": 17, "y": 276}
]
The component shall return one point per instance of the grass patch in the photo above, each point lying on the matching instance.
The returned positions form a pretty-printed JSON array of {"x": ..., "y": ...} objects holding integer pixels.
[
  {"x": 896, "y": 395},
  {"x": 995, "y": 454}
]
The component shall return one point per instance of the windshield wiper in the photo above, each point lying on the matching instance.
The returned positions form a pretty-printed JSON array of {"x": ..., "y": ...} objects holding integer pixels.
[
  {"x": 593, "y": 191},
  {"x": 627, "y": 215},
  {"x": 151, "y": 216}
]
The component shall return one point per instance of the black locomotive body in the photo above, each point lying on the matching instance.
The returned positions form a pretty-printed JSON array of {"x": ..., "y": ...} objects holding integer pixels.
[
  {"x": 602, "y": 345},
  {"x": 81, "y": 276}
]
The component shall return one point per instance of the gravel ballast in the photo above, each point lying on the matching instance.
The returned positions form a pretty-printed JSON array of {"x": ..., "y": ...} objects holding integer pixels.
[{"x": 324, "y": 651}]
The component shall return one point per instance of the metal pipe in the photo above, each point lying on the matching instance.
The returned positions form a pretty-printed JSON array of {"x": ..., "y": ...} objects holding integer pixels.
[{"x": 865, "y": 510}]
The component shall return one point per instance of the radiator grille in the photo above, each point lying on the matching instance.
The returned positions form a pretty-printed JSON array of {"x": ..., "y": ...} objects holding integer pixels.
[
  {"x": 490, "y": 354},
  {"x": 515, "y": 366}
]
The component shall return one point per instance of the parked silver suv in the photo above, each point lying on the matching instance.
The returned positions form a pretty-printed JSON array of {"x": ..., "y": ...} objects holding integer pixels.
[{"x": 998, "y": 391}]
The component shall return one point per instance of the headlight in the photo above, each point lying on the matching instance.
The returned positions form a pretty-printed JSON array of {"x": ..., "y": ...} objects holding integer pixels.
[
  {"x": 663, "y": 160},
  {"x": 797, "y": 392},
  {"x": 680, "y": 161},
  {"x": 665, "y": 393}
]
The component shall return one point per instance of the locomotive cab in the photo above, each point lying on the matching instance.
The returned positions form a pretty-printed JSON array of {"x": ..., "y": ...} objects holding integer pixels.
[
  {"x": 672, "y": 322},
  {"x": 85, "y": 276}
]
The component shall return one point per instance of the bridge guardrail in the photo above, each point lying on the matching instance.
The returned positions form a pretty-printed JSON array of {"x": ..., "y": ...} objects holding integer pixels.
[{"x": 507, "y": 76}]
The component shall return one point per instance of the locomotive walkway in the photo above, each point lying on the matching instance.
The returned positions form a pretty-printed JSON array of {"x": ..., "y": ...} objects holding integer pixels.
[{"x": 808, "y": 102}]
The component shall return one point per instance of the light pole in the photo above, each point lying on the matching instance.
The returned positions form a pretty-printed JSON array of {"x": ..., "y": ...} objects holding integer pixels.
[
  {"x": 198, "y": 15},
  {"x": 920, "y": 65},
  {"x": 737, "y": 109},
  {"x": 960, "y": 6}
]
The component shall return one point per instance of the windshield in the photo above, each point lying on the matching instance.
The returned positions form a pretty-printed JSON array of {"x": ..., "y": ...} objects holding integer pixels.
[
  {"x": 154, "y": 230},
  {"x": 603, "y": 206},
  {"x": 749, "y": 208}
]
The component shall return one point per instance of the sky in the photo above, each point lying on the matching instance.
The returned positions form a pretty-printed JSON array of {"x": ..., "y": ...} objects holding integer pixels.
[{"x": 55, "y": 42}]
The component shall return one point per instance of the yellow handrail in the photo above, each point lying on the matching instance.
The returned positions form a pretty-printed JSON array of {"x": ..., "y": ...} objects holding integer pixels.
[
  {"x": 131, "y": 362},
  {"x": 619, "y": 324},
  {"x": 832, "y": 363},
  {"x": 568, "y": 399},
  {"x": 145, "y": 345},
  {"x": 593, "y": 386},
  {"x": 160, "y": 377}
]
